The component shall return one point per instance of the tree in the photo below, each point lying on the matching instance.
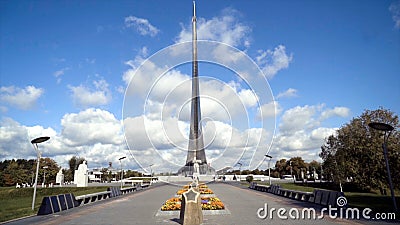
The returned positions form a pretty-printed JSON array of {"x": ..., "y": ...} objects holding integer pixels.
[
  {"x": 105, "y": 177},
  {"x": 130, "y": 173},
  {"x": 280, "y": 167},
  {"x": 23, "y": 171},
  {"x": 51, "y": 170},
  {"x": 355, "y": 154},
  {"x": 73, "y": 165},
  {"x": 314, "y": 166},
  {"x": 295, "y": 165}
]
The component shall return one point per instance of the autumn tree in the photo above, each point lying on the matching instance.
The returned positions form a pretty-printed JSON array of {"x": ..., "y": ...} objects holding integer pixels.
[
  {"x": 314, "y": 166},
  {"x": 49, "y": 167},
  {"x": 280, "y": 167},
  {"x": 23, "y": 171},
  {"x": 295, "y": 165},
  {"x": 355, "y": 153},
  {"x": 73, "y": 165}
]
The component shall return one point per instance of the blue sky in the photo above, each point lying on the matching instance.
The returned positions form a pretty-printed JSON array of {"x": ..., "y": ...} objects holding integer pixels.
[{"x": 64, "y": 64}]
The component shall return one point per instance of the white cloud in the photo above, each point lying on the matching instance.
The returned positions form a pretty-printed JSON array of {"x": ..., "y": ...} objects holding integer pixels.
[
  {"x": 59, "y": 73},
  {"x": 305, "y": 143},
  {"x": 168, "y": 139},
  {"x": 90, "y": 127},
  {"x": 227, "y": 55},
  {"x": 308, "y": 117},
  {"x": 394, "y": 8},
  {"x": 270, "y": 109},
  {"x": 84, "y": 97},
  {"x": 289, "y": 93},
  {"x": 163, "y": 122},
  {"x": 21, "y": 98},
  {"x": 172, "y": 90},
  {"x": 170, "y": 97},
  {"x": 337, "y": 111},
  {"x": 302, "y": 133},
  {"x": 272, "y": 61},
  {"x": 15, "y": 139},
  {"x": 226, "y": 29},
  {"x": 321, "y": 133},
  {"x": 134, "y": 64},
  {"x": 248, "y": 98},
  {"x": 93, "y": 134},
  {"x": 143, "y": 26},
  {"x": 299, "y": 118}
]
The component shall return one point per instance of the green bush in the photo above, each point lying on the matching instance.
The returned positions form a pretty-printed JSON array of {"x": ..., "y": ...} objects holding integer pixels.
[{"x": 249, "y": 178}]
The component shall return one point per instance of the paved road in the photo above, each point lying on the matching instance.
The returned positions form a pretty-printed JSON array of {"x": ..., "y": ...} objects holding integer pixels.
[{"x": 142, "y": 207}]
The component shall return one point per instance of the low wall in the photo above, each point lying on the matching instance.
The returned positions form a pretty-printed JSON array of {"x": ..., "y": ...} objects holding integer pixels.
[
  {"x": 318, "y": 196},
  {"x": 62, "y": 202},
  {"x": 57, "y": 203}
]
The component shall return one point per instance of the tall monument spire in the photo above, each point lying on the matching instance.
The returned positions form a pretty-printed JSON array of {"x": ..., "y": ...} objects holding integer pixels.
[
  {"x": 196, "y": 153},
  {"x": 196, "y": 143}
]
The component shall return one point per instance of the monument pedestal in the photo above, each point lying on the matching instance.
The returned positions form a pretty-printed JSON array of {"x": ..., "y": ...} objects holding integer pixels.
[
  {"x": 191, "y": 212},
  {"x": 204, "y": 169}
]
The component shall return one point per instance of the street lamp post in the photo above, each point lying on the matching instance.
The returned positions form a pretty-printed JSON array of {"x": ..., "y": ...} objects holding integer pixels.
[
  {"x": 269, "y": 168},
  {"x": 339, "y": 174},
  {"x": 320, "y": 179},
  {"x": 388, "y": 130},
  {"x": 44, "y": 175},
  {"x": 151, "y": 170},
  {"x": 240, "y": 171},
  {"x": 151, "y": 173},
  {"x": 35, "y": 143},
  {"x": 291, "y": 169},
  {"x": 122, "y": 172}
]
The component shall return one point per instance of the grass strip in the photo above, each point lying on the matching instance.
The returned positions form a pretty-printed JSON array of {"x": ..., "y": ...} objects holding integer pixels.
[{"x": 16, "y": 203}]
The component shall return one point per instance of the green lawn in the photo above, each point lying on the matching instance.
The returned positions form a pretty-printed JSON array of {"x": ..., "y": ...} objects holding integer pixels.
[
  {"x": 292, "y": 186},
  {"x": 16, "y": 203},
  {"x": 376, "y": 202}
]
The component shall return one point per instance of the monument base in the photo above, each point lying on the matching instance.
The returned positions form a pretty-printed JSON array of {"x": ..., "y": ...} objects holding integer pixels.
[
  {"x": 188, "y": 171},
  {"x": 191, "y": 208}
]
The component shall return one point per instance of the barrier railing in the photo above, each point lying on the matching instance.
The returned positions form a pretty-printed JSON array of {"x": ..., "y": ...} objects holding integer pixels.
[
  {"x": 320, "y": 197},
  {"x": 89, "y": 198},
  {"x": 57, "y": 203},
  {"x": 128, "y": 190}
]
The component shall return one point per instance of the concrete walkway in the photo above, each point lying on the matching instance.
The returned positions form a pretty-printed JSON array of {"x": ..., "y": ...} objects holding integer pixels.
[{"x": 142, "y": 207}]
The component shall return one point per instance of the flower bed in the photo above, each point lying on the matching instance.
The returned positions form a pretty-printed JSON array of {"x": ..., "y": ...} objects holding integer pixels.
[
  {"x": 212, "y": 204},
  {"x": 207, "y": 203},
  {"x": 172, "y": 204},
  {"x": 203, "y": 191}
]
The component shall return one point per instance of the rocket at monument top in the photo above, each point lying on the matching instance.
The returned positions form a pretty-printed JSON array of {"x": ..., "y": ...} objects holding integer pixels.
[{"x": 194, "y": 12}]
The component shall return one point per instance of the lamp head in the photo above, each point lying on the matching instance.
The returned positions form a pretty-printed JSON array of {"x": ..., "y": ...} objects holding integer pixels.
[
  {"x": 39, "y": 140},
  {"x": 381, "y": 126}
]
